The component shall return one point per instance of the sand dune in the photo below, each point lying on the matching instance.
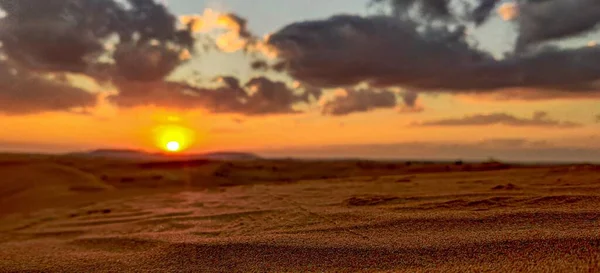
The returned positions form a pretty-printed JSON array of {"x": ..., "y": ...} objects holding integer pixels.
[{"x": 80, "y": 216}]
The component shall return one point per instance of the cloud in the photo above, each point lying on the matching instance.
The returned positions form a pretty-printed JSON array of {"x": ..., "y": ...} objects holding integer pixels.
[
  {"x": 598, "y": 118},
  {"x": 145, "y": 62},
  {"x": 385, "y": 51},
  {"x": 259, "y": 96},
  {"x": 411, "y": 103},
  {"x": 270, "y": 97},
  {"x": 406, "y": 50},
  {"x": 538, "y": 20},
  {"x": 236, "y": 35},
  {"x": 106, "y": 40},
  {"x": 539, "y": 119},
  {"x": 410, "y": 98},
  {"x": 24, "y": 93},
  {"x": 349, "y": 101},
  {"x": 135, "y": 45},
  {"x": 481, "y": 13},
  {"x": 546, "y": 20},
  {"x": 429, "y": 9},
  {"x": 71, "y": 35}
]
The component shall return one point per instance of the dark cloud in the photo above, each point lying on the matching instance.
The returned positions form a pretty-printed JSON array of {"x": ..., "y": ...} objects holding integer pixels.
[
  {"x": 410, "y": 103},
  {"x": 539, "y": 119},
  {"x": 483, "y": 10},
  {"x": 259, "y": 96},
  {"x": 145, "y": 63},
  {"x": 540, "y": 21},
  {"x": 69, "y": 35},
  {"x": 260, "y": 65},
  {"x": 598, "y": 118},
  {"x": 239, "y": 24},
  {"x": 362, "y": 100},
  {"x": 427, "y": 9},
  {"x": 25, "y": 93},
  {"x": 347, "y": 50},
  {"x": 135, "y": 45},
  {"x": 311, "y": 92},
  {"x": 386, "y": 51},
  {"x": 41, "y": 39},
  {"x": 267, "y": 97},
  {"x": 410, "y": 98}
]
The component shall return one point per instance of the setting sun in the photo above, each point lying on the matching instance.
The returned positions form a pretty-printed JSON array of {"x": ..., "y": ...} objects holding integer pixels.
[
  {"x": 173, "y": 146},
  {"x": 173, "y": 138}
]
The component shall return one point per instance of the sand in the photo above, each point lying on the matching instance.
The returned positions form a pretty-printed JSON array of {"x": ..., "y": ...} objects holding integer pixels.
[{"x": 69, "y": 215}]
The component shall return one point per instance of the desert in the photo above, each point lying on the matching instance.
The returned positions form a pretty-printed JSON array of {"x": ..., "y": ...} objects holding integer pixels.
[{"x": 79, "y": 214}]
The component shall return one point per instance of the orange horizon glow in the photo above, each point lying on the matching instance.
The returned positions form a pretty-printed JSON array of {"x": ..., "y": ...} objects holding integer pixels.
[{"x": 171, "y": 135}]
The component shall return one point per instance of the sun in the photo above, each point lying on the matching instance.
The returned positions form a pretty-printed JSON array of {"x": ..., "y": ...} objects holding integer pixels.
[
  {"x": 173, "y": 146},
  {"x": 173, "y": 138}
]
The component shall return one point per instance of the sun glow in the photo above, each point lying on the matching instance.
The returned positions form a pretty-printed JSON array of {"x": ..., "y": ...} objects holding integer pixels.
[
  {"x": 173, "y": 138},
  {"x": 173, "y": 146}
]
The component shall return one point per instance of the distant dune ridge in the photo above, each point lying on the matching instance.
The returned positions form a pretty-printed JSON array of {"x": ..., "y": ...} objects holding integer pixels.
[
  {"x": 111, "y": 212},
  {"x": 139, "y": 155}
]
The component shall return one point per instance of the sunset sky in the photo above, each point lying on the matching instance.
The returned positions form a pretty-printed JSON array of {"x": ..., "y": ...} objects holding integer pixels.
[{"x": 436, "y": 105}]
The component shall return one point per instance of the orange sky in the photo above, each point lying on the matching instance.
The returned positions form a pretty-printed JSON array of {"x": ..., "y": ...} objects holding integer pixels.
[
  {"x": 135, "y": 128},
  {"x": 143, "y": 127}
]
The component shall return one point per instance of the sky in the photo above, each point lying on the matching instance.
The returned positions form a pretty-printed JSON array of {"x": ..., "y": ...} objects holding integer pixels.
[{"x": 337, "y": 78}]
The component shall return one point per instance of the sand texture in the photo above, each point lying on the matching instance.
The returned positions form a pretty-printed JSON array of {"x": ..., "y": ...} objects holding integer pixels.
[{"x": 65, "y": 214}]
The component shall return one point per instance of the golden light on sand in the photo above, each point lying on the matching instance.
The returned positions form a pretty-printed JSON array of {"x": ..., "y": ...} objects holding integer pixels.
[{"x": 173, "y": 138}]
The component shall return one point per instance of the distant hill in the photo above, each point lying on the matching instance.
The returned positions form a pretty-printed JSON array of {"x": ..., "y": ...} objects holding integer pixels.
[{"x": 142, "y": 155}]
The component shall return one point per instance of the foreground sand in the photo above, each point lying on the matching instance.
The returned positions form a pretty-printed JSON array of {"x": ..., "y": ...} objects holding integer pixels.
[{"x": 57, "y": 216}]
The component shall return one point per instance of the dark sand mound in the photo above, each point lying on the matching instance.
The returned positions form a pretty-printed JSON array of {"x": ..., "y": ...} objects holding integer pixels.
[{"x": 35, "y": 185}]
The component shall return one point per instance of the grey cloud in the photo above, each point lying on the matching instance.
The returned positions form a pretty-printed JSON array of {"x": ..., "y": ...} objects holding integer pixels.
[
  {"x": 553, "y": 19},
  {"x": 260, "y": 65},
  {"x": 269, "y": 97},
  {"x": 539, "y": 20},
  {"x": 477, "y": 11},
  {"x": 481, "y": 13},
  {"x": 311, "y": 92},
  {"x": 410, "y": 98},
  {"x": 25, "y": 93},
  {"x": 361, "y": 100},
  {"x": 347, "y": 50},
  {"x": 241, "y": 25},
  {"x": 385, "y": 51},
  {"x": 231, "y": 82},
  {"x": 539, "y": 119},
  {"x": 69, "y": 35},
  {"x": 259, "y": 96},
  {"x": 56, "y": 36},
  {"x": 410, "y": 105},
  {"x": 430, "y": 9},
  {"x": 145, "y": 63}
]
